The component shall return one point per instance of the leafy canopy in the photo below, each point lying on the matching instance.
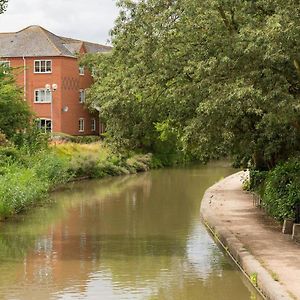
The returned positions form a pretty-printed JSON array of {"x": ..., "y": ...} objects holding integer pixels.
[
  {"x": 3, "y": 6},
  {"x": 14, "y": 112},
  {"x": 212, "y": 77}
]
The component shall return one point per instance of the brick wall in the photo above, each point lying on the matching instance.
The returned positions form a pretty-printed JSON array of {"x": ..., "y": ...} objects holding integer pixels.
[{"x": 65, "y": 73}]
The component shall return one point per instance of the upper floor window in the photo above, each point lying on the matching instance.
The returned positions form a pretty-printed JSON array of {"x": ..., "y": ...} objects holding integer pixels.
[
  {"x": 81, "y": 96},
  {"x": 42, "y": 96},
  {"x": 93, "y": 124},
  {"x": 81, "y": 70},
  {"x": 5, "y": 64},
  {"x": 81, "y": 125},
  {"x": 42, "y": 66}
]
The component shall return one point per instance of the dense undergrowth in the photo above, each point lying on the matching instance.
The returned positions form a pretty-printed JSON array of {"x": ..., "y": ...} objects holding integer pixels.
[
  {"x": 30, "y": 169},
  {"x": 278, "y": 188}
]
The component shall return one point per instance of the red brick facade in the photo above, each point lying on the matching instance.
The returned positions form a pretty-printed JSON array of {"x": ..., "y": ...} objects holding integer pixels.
[
  {"x": 66, "y": 106},
  {"x": 52, "y": 93}
]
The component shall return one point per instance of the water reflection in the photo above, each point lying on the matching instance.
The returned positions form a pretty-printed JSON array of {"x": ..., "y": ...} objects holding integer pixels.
[{"x": 135, "y": 237}]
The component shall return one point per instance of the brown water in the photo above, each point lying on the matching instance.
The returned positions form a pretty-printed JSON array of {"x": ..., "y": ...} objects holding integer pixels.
[{"x": 134, "y": 237}]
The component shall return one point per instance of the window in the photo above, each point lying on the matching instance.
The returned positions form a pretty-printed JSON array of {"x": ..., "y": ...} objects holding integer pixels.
[
  {"x": 81, "y": 125},
  {"x": 45, "y": 125},
  {"x": 93, "y": 124},
  {"x": 5, "y": 64},
  {"x": 42, "y": 66},
  {"x": 81, "y": 70},
  {"x": 42, "y": 96},
  {"x": 81, "y": 96}
]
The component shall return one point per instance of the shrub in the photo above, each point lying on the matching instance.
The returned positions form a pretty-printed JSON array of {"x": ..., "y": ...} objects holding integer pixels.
[
  {"x": 85, "y": 164},
  {"x": 23, "y": 185},
  {"x": 282, "y": 189},
  {"x": 139, "y": 163},
  {"x": 3, "y": 140},
  {"x": 20, "y": 189},
  {"x": 75, "y": 139},
  {"x": 32, "y": 140},
  {"x": 51, "y": 168}
]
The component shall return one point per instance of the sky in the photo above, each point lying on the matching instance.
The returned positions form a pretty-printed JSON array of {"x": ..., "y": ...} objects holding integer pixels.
[{"x": 89, "y": 20}]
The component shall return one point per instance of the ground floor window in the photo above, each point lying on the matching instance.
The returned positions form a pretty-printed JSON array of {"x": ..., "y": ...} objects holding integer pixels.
[
  {"x": 93, "y": 124},
  {"x": 81, "y": 125},
  {"x": 101, "y": 128},
  {"x": 45, "y": 125}
]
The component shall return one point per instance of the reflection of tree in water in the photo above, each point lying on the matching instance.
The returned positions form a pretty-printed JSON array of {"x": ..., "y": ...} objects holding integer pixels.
[{"x": 132, "y": 233}]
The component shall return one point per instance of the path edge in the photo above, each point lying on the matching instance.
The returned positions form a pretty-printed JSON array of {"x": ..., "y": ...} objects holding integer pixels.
[{"x": 246, "y": 262}]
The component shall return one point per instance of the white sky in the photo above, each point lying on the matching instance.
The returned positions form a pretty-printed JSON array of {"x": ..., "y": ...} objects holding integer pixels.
[{"x": 89, "y": 20}]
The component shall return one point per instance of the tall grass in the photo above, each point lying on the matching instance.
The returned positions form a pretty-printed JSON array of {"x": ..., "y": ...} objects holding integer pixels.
[{"x": 26, "y": 178}]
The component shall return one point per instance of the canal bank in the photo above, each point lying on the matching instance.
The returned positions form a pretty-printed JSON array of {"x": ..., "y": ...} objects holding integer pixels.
[
  {"x": 133, "y": 237},
  {"x": 270, "y": 259}
]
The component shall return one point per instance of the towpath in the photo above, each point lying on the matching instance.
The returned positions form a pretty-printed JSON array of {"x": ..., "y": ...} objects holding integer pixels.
[{"x": 253, "y": 239}]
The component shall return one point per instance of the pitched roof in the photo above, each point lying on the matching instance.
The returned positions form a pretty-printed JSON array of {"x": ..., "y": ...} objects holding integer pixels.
[{"x": 37, "y": 41}]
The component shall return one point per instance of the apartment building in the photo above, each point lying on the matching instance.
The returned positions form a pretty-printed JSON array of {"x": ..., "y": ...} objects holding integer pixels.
[{"x": 47, "y": 67}]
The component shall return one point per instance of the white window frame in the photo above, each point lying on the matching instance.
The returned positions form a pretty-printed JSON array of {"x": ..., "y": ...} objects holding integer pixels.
[
  {"x": 45, "y": 92},
  {"x": 93, "y": 125},
  {"x": 81, "y": 96},
  {"x": 40, "y": 66},
  {"x": 81, "y": 70},
  {"x": 81, "y": 125},
  {"x": 44, "y": 128},
  {"x": 7, "y": 63}
]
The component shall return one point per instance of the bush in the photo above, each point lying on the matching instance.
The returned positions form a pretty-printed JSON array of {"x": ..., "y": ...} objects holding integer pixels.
[
  {"x": 257, "y": 179},
  {"x": 139, "y": 163},
  {"x": 76, "y": 139},
  {"x": 85, "y": 165},
  {"x": 282, "y": 190},
  {"x": 31, "y": 141},
  {"x": 23, "y": 185},
  {"x": 20, "y": 189},
  {"x": 51, "y": 168}
]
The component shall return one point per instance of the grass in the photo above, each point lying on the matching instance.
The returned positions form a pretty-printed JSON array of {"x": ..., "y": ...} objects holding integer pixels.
[{"x": 26, "y": 180}]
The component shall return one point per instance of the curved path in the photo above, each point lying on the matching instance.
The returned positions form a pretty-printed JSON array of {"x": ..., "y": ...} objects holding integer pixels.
[{"x": 254, "y": 240}]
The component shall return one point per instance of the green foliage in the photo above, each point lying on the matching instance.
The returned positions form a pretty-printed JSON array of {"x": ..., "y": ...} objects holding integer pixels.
[
  {"x": 246, "y": 184},
  {"x": 51, "y": 168},
  {"x": 75, "y": 139},
  {"x": 3, "y": 140},
  {"x": 20, "y": 189},
  {"x": 253, "y": 279},
  {"x": 25, "y": 180},
  {"x": 31, "y": 140},
  {"x": 257, "y": 180},
  {"x": 219, "y": 77},
  {"x": 3, "y": 6},
  {"x": 14, "y": 112},
  {"x": 90, "y": 165},
  {"x": 282, "y": 190},
  {"x": 29, "y": 172}
]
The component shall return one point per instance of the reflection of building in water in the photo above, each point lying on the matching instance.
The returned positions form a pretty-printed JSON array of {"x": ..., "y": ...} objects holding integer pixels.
[
  {"x": 71, "y": 250},
  {"x": 129, "y": 238}
]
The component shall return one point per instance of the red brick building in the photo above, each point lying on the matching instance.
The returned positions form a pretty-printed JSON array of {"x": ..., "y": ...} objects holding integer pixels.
[{"x": 47, "y": 68}]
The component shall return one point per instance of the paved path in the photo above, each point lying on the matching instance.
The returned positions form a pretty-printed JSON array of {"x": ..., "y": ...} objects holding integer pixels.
[{"x": 253, "y": 239}]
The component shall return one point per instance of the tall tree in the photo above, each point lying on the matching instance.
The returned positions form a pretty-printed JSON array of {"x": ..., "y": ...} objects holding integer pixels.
[
  {"x": 14, "y": 111},
  {"x": 219, "y": 76}
]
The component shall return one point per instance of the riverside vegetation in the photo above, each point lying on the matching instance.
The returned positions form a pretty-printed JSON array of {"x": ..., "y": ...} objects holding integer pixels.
[
  {"x": 171, "y": 86},
  {"x": 209, "y": 79},
  {"x": 29, "y": 168}
]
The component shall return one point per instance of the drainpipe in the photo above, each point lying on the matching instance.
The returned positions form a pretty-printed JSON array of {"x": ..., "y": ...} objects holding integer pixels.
[{"x": 24, "y": 75}]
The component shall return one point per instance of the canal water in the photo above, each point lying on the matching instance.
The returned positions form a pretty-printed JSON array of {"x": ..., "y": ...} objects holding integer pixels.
[{"x": 133, "y": 237}]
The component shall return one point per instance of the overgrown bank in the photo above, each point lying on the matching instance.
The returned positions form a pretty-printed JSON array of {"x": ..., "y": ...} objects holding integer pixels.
[
  {"x": 28, "y": 173},
  {"x": 278, "y": 188}
]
